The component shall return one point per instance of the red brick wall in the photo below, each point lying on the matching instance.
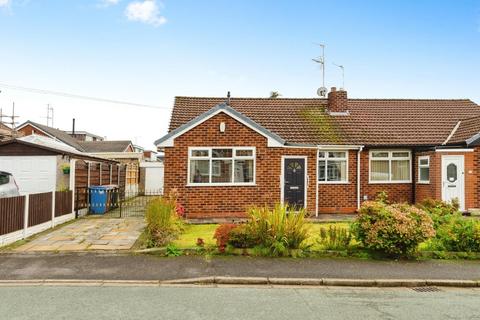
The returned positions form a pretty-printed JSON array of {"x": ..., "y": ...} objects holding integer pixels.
[
  {"x": 340, "y": 198},
  {"x": 430, "y": 190},
  {"x": 434, "y": 188},
  {"x": 397, "y": 192},
  {"x": 231, "y": 201},
  {"x": 29, "y": 130}
]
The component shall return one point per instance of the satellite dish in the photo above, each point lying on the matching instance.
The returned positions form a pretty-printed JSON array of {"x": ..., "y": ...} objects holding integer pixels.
[{"x": 322, "y": 92}]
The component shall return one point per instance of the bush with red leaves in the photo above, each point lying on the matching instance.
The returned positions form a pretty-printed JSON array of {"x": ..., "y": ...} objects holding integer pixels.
[{"x": 222, "y": 235}]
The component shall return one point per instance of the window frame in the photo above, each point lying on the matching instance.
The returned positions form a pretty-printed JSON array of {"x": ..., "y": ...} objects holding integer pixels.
[
  {"x": 390, "y": 158},
  {"x": 210, "y": 159},
  {"x": 326, "y": 159},
  {"x": 420, "y": 166}
]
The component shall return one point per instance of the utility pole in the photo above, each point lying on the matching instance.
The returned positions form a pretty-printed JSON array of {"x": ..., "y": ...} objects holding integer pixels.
[{"x": 11, "y": 122}]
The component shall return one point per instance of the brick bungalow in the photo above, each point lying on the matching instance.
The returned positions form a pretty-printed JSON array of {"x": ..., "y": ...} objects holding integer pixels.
[{"x": 326, "y": 155}]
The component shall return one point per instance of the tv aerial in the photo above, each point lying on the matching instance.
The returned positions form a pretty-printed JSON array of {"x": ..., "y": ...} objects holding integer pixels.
[
  {"x": 343, "y": 74},
  {"x": 322, "y": 91}
]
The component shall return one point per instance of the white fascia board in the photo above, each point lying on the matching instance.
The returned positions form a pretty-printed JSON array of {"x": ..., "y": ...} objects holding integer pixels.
[
  {"x": 271, "y": 141},
  {"x": 454, "y": 150}
]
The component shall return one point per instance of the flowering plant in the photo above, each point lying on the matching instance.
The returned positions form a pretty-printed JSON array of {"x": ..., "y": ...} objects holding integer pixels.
[{"x": 395, "y": 229}]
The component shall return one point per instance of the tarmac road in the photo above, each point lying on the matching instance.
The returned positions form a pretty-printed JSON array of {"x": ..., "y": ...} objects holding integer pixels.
[
  {"x": 120, "y": 302},
  {"x": 141, "y": 267}
]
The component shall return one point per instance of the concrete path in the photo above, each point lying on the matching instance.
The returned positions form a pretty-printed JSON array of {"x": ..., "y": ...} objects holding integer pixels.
[
  {"x": 141, "y": 267},
  {"x": 89, "y": 234},
  {"x": 127, "y": 302}
]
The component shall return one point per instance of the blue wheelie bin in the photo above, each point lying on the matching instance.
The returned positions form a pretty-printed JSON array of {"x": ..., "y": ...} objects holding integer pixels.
[{"x": 98, "y": 199}]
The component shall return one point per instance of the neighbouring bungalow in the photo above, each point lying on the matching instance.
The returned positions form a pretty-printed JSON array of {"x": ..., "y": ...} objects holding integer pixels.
[
  {"x": 326, "y": 155},
  {"x": 94, "y": 145},
  {"x": 41, "y": 164}
]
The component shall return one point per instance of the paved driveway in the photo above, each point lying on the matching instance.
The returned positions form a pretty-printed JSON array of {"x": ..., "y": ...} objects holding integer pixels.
[{"x": 89, "y": 234}]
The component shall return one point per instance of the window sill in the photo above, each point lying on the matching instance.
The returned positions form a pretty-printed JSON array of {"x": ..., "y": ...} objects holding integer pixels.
[
  {"x": 333, "y": 182},
  {"x": 389, "y": 182},
  {"x": 423, "y": 182},
  {"x": 221, "y": 184}
]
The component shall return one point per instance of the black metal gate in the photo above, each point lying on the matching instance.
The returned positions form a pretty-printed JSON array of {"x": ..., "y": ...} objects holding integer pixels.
[{"x": 111, "y": 202}]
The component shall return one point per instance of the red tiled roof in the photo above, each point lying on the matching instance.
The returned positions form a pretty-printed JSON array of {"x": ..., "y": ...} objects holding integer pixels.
[
  {"x": 466, "y": 129},
  {"x": 370, "y": 122}
]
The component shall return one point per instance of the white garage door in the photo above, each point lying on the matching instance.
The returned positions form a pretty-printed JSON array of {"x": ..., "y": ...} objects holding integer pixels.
[
  {"x": 33, "y": 174},
  {"x": 154, "y": 179}
]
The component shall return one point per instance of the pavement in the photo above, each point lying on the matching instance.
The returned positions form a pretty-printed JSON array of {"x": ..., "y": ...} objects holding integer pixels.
[
  {"x": 144, "y": 267},
  {"x": 88, "y": 234},
  {"x": 230, "y": 302}
]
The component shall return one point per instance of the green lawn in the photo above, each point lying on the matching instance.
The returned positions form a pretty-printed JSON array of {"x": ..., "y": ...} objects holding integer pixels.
[{"x": 188, "y": 238}]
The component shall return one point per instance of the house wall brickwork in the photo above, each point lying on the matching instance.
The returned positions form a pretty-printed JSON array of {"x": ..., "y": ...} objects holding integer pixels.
[
  {"x": 340, "y": 198},
  {"x": 232, "y": 201},
  {"x": 29, "y": 130},
  {"x": 397, "y": 192},
  {"x": 434, "y": 188}
]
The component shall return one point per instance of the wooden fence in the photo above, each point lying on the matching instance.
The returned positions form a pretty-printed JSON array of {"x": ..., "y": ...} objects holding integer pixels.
[
  {"x": 39, "y": 208},
  {"x": 63, "y": 203},
  {"x": 12, "y": 212},
  {"x": 96, "y": 174},
  {"x": 23, "y": 216}
]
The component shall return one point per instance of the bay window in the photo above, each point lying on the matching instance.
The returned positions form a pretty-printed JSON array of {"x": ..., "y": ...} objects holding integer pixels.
[
  {"x": 220, "y": 166},
  {"x": 332, "y": 166},
  {"x": 390, "y": 166},
  {"x": 424, "y": 169}
]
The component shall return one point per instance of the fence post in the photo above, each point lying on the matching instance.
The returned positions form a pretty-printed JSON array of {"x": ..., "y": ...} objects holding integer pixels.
[
  {"x": 75, "y": 203},
  {"x": 120, "y": 200},
  {"x": 25, "y": 217},
  {"x": 53, "y": 209}
]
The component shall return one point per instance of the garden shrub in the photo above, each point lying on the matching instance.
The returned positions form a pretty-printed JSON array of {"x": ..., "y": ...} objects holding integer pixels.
[
  {"x": 439, "y": 211},
  {"x": 222, "y": 235},
  {"x": 163, "y": 223},
  {"x": 280, "y": 229},
  {"x": 457, "y": 233},
  {"x": 335, "y": 238},
  {"x": 242, "y": 237},
  {"x": 395, "y": 230}
]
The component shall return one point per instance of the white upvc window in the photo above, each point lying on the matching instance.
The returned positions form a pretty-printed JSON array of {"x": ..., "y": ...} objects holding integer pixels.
[
  {"x": 424, "y": 169},
  {"x": 221, "y": 166},
  {"x": 332, "y": 167},
  {"x": 390, "y": 166}
]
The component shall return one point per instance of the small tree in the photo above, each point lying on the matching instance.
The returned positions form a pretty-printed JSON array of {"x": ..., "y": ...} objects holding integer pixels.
[{"x": 274, "y": 94}]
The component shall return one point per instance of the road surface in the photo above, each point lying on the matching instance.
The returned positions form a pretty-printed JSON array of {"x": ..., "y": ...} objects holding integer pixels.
[{"x": 123, "y": 302}]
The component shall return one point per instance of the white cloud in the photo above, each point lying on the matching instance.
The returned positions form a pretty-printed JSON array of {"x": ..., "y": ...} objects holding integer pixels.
[
  {"x": 146, "y": 11},
  {"x": 4, "y": 3}
]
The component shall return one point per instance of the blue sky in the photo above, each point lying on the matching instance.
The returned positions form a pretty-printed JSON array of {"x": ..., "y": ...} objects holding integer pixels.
[{"x": 148, "y": 51}]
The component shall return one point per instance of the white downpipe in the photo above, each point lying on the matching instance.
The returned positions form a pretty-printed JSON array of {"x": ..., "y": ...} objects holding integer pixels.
[
  {"x": 358, "y": 176},
  {"x": 316, "y": 183},
  {"x": 73, "y": 174}
]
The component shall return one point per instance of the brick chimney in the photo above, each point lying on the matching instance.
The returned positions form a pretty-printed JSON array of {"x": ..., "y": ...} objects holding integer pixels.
[{"x": 337, "y": 101}]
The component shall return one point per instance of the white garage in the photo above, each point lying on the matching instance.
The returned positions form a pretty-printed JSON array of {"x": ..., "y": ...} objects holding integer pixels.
[{"x": 33, "y": 174}]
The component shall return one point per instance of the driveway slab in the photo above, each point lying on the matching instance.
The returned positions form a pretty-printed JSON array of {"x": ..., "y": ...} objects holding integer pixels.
[{"x": 89, "y": 234}]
